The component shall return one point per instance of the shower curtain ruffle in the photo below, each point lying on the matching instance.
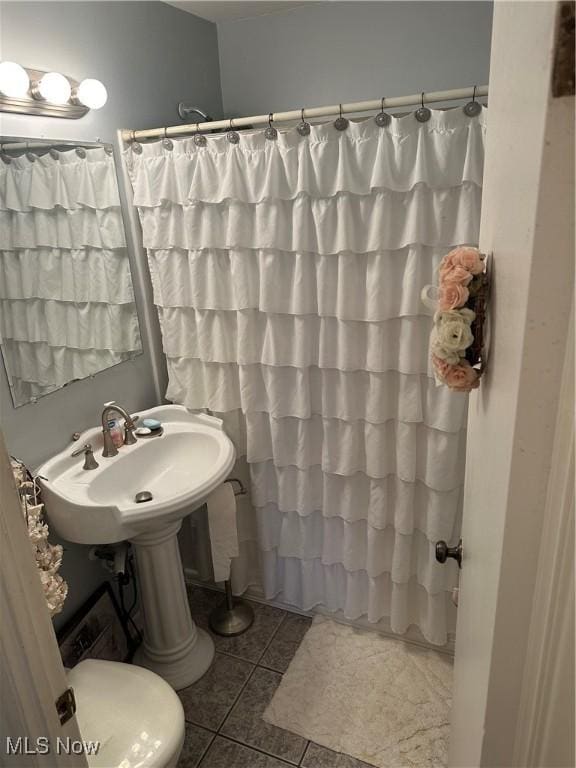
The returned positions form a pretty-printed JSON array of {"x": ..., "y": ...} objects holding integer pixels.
[
  {"x": 302, "y": 392},
  {"x": 66, "y": 300},
  {"x": 52, "y": 367},
  {"x": 64, "y": 324},
  {"x": 62, "y": 228},
  {"x": 68, "y": 181},
  {"x": 346, "y": 222},
  {"x": 448, "y": 151},
  {"x": 287, "y": 276},
  {"x": 84, "y": 275},
  {"x": 349, "y": 286}
]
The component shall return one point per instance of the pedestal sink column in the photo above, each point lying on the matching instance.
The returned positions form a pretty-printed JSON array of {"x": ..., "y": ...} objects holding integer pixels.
[{"x": 173, "y": 647}]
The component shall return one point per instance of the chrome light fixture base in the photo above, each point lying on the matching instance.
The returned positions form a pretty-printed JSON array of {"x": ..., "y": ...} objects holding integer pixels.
[{"x": 28, "y": 105}]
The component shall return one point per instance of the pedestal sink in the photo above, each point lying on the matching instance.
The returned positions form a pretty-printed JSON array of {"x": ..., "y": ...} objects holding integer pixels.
[{"x": 178, "y": 469}]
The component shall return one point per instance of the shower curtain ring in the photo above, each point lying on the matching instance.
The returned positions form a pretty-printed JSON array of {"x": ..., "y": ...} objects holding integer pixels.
[
  {"x": 473, "y": 107},
  {"x": 340, "y": 123},
  {"x": 166, "y": 142},
  {"x": 199, "y": 139},
  {"x": 422, "y": 114},
  {"x": 135, "y": 144},
  {"x": 382, "y": 119},
  {"x": 232, "y": 135},
  {"x": 303, "y": 127},
  {"x": 271, "y": 133}
]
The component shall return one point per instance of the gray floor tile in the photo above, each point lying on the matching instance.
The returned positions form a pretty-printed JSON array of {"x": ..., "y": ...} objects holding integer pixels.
[
  {"x": 245, "y": 723},
  {"x": 227, "y": 754},
  {"x": 251, "y": 644},
  {"x": 196, "y": 742},
  {"x": 321, "y": 757},
  {"x": 208, "y": 701},
  {"x": 285, "y": 642}
]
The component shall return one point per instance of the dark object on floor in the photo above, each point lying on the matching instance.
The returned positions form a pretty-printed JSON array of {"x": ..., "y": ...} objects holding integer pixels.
[{"x": 96, "y": 631}]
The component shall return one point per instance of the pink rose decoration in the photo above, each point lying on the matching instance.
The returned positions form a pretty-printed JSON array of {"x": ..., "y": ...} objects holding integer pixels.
[
  {"x": 469, "y": 258},
  {"x": 454, "y": 273},
  {"x": 462, "y": 377},
  {"x": 452, "y": 296},
  {"x": 447, "y": 260},
  {"x": 441, "y": 366}
]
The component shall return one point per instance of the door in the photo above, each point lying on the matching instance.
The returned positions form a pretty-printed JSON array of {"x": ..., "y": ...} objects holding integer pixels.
[
  {"x": 528, "y": 207},
  {"x": 31, "y": 671}
]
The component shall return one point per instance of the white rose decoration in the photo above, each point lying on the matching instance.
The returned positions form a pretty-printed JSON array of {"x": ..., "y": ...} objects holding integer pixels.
[{"x": 452, "y": 334}]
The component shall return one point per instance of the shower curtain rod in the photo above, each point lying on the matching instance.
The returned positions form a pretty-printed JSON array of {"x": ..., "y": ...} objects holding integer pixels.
[
  {"x": 309, "y": 112},
  {"x": 18, "y": 146}
]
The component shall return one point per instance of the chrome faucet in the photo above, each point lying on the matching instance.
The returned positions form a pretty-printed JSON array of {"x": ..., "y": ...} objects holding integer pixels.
[{"x": 129, "y": 427}]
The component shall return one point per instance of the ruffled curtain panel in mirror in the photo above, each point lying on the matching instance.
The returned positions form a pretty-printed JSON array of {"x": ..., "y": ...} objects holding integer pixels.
[
  {"x": 287, "y": 276},
  {"x": 67, "y": 306}
]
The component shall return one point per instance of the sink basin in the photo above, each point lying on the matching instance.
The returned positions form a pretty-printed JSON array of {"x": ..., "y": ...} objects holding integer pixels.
[
  {"x": 175, "y": 472},
  {"x": 191, "y": 458}
]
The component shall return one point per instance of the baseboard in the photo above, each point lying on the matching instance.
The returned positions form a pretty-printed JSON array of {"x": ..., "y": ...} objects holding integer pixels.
[{"x": 412, "y": 636}]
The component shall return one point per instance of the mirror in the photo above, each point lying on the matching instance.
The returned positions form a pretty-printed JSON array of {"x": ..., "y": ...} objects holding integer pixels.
[{"x": 67, "y": 306}]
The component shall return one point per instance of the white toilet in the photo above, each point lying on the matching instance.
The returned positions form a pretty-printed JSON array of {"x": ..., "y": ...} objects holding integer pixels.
[{"x": 134, "y": 714}]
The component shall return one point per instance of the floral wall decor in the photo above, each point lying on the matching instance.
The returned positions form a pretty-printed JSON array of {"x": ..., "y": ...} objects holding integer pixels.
[
  {"x": 459, "y": 301},
  {"x": 48, "y": 556}
]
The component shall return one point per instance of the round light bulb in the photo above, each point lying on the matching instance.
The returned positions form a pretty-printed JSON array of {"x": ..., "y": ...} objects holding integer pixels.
[
  {"x": 92, "y": 93},
  {"x": 14, "y": 80},
  {"x": 55, "y": 88}
]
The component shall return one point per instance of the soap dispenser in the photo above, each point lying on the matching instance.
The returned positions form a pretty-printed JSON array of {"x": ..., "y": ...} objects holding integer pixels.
[{"x": 115, "y": 428}]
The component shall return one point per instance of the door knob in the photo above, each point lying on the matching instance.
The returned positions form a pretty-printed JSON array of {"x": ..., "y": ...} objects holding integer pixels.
[{"x": 443, "y": 552}]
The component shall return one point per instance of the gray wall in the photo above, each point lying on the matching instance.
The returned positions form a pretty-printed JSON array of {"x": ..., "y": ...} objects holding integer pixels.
[
  {"x": 332, "y": 52},
  {"x": 150, "y": 56}
]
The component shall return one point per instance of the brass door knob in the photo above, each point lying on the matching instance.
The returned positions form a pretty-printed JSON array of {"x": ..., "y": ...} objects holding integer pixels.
[{"x": 443, "y": 552}]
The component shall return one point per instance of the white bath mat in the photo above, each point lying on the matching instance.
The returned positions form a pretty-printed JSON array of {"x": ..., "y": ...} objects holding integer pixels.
[{"x": 380, "y": 700}]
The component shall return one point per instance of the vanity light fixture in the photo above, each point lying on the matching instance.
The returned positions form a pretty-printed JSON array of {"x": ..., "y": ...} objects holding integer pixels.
[
  {"x": 35, "y": 92},
  {"x": 92, "y": 93},
  {"x": 14, "y": 80},
  {"x": 52, "y": 87}
]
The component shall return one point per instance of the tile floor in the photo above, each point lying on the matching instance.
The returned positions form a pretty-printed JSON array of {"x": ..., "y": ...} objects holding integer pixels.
[{"x": 224, "y": 725}]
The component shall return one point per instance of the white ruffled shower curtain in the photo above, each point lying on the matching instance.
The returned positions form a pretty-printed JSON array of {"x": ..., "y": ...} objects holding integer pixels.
[
  {"x": 287, "y": 276},
  {"x": 66, "y": 301}
]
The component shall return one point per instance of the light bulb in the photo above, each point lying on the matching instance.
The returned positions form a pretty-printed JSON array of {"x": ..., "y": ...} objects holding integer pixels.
[
  {"x": 55, "y": 88},
  {"x": 14, "y": 80},
  {"x": 92, "y": 93}
]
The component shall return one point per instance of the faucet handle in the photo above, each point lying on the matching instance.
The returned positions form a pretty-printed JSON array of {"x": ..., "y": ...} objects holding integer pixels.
[
  {"x": 84, "y": 449},
  {"x": 129, "y": 427},
  {"x": 89, "y": 460}
]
